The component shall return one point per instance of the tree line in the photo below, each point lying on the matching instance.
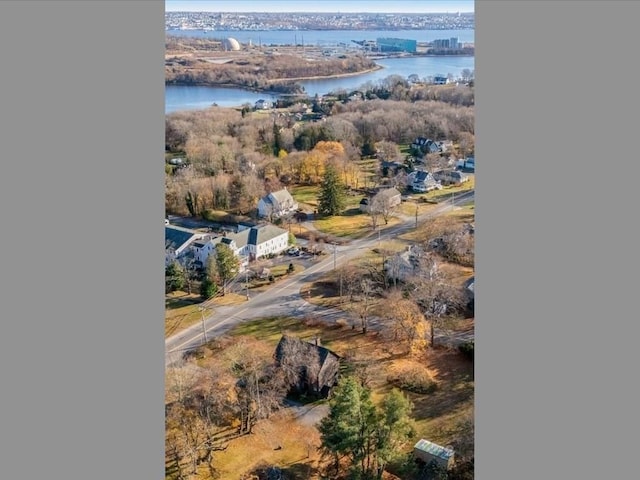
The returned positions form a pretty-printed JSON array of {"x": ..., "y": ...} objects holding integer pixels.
[{"x": 233, "y": 159}]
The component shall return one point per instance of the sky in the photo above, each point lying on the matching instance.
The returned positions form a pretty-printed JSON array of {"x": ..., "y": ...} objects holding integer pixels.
[{"x": 332, "y": 6}]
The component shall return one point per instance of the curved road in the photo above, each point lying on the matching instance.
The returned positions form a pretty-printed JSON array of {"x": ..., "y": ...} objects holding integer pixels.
[{"x": 285, "y": 298}]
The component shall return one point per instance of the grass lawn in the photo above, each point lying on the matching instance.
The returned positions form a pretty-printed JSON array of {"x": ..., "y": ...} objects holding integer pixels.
[
  {"x": 306, "y": 195},
  {"x": 450, "y": 190},
  {"x": 352, "y": 224},
  {"x": 409, "y": 208},
  {"x": 279, "y": 272},
  {"x": 181, "y": 311}
]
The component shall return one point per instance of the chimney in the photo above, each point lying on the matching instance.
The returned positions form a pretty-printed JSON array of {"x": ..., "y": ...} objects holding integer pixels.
[{"x": 317, "y": 341}]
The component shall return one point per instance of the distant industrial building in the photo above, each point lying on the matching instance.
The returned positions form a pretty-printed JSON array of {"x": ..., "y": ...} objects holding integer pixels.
[
  {"x": 452, "y": 43},
  {"x": 396, "y": 45}
]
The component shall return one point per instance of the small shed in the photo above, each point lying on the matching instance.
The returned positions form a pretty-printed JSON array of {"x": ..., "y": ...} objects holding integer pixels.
[{"x": 428, "y": 452}]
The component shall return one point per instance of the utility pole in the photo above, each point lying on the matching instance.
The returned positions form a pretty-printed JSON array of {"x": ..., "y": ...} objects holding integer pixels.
[
  {"x": 416, "y": 216},
  {"x": 246, "y": 281},
  {"x": 204, "y": 331},
  {"x": 334, "y": 255}
]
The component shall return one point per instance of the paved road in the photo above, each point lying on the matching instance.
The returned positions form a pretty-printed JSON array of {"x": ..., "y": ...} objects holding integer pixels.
[{"x": 285, "y": 298}]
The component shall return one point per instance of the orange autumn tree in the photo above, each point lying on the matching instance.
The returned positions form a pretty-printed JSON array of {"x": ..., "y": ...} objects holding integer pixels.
[{"x": 316, "y": 160}]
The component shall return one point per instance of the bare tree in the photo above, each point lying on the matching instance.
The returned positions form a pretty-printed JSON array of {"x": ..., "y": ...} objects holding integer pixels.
[
  {"x": 366, "y": 291},
  {"x": 437, "y": 298},
  {"x": 387, "y": 151},
  {"x": 383, "y": 204}
]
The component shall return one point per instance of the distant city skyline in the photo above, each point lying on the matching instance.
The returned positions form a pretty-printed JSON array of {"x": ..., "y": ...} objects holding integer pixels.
[{"x": 326, "y": 6}]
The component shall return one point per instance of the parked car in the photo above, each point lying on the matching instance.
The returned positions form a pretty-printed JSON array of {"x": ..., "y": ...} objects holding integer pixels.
[{"x": 294, "y": 251}]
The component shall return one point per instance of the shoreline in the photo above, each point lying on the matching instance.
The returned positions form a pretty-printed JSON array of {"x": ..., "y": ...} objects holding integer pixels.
[{"x": 295, "y": 79}]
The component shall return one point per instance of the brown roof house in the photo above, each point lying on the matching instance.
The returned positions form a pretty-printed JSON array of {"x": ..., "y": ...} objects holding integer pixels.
[{"x": 308, "y": 367}]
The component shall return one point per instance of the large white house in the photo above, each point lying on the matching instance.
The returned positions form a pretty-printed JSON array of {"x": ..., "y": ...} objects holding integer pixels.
[
  {"x": 277, "y": 204},
  {"x": 177, "y": 241},
  {"x": 248, "y": 244}
]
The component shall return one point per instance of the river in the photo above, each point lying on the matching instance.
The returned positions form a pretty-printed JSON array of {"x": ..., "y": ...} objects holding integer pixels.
[{"x": 179, "y": 97}]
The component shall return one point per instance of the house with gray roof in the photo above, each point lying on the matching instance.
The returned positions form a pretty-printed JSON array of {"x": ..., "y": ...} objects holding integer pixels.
[
  {"x": 177, "y": 241},
  {"x": 413, "y": 262},
  {"x": 276, "y": 204},
  {"x": 422, "y": 181},
  {"x": 248, "y": 244}
]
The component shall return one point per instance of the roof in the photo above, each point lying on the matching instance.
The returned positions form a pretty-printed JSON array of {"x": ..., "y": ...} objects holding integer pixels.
[
  {"x": 281, "y": 196},
  {"x": 264, "y": 233},
  {"x": 175, "y": 237},
  {"x": 433, "y": 449},
  {"x": 322, "y": 351},
  {"x": 388, "y": 192}
]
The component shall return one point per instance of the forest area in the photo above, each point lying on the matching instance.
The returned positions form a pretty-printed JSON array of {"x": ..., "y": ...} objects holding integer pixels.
[{"x": 235, "y": 156}]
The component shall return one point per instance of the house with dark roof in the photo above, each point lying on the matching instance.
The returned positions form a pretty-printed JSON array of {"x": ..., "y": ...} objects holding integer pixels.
[
  {"x": 262, "y": 104},
  {"x": 451, "y": 177},
  {"x": 177, "y": 241},
  {"x": 422, "y": 181},
  {"x": 277, "y": 204},
  {"x": 308, "y": 367},
  {"x": 426, "y": 145}
]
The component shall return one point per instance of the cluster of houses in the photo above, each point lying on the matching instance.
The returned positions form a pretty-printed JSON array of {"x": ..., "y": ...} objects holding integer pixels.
[{"x": 248, "y": 242}]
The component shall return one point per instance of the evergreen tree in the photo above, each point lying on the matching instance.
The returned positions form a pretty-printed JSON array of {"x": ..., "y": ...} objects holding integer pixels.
[
  {"x": 332, "y": 195},
  {"x": 227, "y": 264},
  {"x": 174, "y": 277},
  {"x": 367, "y": 436},
  {"x": 394, "y": 429}
]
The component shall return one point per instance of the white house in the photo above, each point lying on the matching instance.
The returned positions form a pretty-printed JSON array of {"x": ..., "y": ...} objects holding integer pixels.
[
  {"x": 411, "y": 263},
  {"x": 422, "y": 181},
  {"x": 177, "y": 240},
  {"x": 277, "y": 204},
  {"x": 266, "y": 240},
  {"x": 248, "y": 244},
  {"x": 262, "y": 104}
]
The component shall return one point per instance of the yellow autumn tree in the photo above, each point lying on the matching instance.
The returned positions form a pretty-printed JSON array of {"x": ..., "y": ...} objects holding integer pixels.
[
  {"x": 405, "y": 323},
  {"x": 315, "y": 161}
]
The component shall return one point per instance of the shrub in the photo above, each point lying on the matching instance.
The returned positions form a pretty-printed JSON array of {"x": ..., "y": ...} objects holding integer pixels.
[
  {"x": 414, "y": 379},
  {"x": 467, "y": 349},
  {"x": 208, "y": 288}
]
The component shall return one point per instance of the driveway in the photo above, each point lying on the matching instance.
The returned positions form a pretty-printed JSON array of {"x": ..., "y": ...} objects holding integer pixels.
[{"x": 308, "y": 415}]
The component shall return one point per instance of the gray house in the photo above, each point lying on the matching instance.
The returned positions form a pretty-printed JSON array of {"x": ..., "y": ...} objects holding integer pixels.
[
  {"x": 450, "y": 177},
  {"x": 386, "y": 198},
  {"x": 422, "y": 181}
]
